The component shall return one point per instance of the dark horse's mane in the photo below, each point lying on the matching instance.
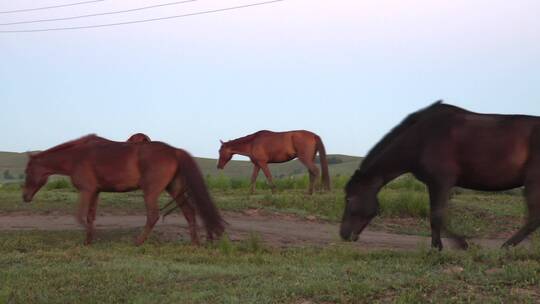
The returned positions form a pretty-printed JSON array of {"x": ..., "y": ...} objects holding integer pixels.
[
  {"x": 373, "y": 154},
  {"x": 70, "y": 144},
  {"x": 245, "y": 139}
]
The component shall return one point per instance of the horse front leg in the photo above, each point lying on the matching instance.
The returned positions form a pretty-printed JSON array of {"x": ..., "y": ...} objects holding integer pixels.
[
  {"x": 90, "y": 218},
  {"x": 439, "y": 196},
  {"x": 152, "y": 215},
  {"x": 268, "y": 175},
  {"x": 84, "y": 201},
  {"x": 254, "y": 176}
]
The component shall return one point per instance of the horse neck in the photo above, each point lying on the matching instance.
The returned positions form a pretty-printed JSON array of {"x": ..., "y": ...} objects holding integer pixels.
[
  {"x": 242, "y": 148},
  {"x": 60, "y": 162},
  {"x": 385, "y": 169}
]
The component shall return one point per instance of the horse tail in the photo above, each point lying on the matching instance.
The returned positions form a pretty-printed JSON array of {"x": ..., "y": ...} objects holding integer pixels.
[
  {"x": 324, "y": 162},
  {"x": 188, "y": 169}
]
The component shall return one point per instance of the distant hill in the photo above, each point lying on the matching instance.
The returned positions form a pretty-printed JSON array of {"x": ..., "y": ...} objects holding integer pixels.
[{"x": 338, "y": 164}]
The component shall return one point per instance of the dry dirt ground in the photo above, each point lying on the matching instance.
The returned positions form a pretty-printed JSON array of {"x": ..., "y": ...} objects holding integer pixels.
[{"x": 278, "y": 231}]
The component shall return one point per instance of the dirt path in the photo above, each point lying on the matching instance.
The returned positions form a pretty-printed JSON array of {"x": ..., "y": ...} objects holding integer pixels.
[{"x": 274, "y": 230}]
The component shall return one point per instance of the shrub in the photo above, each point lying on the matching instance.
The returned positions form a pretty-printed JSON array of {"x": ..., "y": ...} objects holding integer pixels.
[
  {"x": 8, "y": 175},
  {"x": 339, "y": 181},
  {"x": 60, "y": 183},
  {"x": 11, "y": 186},
  {"x": 406, "y": 182},
  {"x": 404, "y": 203},
  {"x": 219, "y": 182}
]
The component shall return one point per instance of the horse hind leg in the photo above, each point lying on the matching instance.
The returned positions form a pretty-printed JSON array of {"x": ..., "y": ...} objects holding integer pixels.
[
  {"x": 313, "y": 172},
  {"x": 532, "y": 197},
  {"x": 190, "y": 214},
  {"x": 180, "y": 195}
]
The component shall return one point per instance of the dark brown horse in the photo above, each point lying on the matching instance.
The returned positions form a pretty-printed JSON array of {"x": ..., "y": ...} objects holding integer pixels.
[
  {"x": 445, "y": 146},
  {"x": 138, "y": 137},
  {"x": 266, "y": 147},
  {"x": 96, "y": 165}
]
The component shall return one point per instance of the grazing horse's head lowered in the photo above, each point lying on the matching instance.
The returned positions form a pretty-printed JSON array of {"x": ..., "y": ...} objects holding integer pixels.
[
  {"x": 361, "y": 206},
  {"x": 95, "y": 164},
  {"x": 445, "y": 146},
  {"x": 225, "y": 155},
  {"x": 36, "y": 177}
]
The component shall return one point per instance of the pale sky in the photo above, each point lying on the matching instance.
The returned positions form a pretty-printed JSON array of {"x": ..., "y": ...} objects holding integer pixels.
[{"x": 347, "y": 70}]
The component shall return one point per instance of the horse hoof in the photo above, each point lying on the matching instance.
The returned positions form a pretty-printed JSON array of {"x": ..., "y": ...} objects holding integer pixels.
[
  {"x": 437, "y": 245},
  {"x": 507, "y": 245},
  {"x": 139, "y": 242}
]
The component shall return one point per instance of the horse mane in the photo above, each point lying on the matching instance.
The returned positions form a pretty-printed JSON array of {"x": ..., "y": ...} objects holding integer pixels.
[
  {"x": 71, "y": 144},
  {"x": 245, "y": 139},
  {"x": 373, "y": 154}
]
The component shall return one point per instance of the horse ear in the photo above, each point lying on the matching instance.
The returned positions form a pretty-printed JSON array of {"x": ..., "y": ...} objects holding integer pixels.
[{"x": 221, "y": 141}]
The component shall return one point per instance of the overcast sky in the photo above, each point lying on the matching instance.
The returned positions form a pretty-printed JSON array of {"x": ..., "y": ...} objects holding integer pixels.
[{"x": 347, "y": 70}]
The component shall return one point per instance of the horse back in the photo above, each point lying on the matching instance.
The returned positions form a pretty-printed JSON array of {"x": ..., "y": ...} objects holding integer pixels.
[
  {"x": 484, "y": 151},
  {"x": 283, "y": 146},
  {"x": 119, "y": 167}
]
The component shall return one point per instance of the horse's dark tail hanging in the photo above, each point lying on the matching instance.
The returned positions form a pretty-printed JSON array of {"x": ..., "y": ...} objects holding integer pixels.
[
  {"x": 324, "y": 163},
  {"x": 188, "y": 169}
]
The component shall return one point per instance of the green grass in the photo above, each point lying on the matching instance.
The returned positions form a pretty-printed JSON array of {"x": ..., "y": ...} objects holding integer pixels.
[
  {"x": 52, "y": 267},
  {"x": 46, "y": 267}
]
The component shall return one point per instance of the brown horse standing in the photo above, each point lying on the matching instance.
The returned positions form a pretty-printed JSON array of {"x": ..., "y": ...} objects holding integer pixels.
[
  {"x": 266, "y": 147},
  {"x": 445, "y": 146},
  {"x": 138, "y": 137},
  {"x": 96, "y": 165}
]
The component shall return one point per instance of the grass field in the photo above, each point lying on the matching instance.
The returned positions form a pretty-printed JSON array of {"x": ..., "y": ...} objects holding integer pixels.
[
  {"x": 52, "y": 267},
  {"x": 41, "y": 267}
]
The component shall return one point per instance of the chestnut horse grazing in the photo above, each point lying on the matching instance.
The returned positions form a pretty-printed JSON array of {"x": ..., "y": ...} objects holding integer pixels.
[
  {"x": 96, "y": 165},
  {"x": 446, "y": 146},
  {"x": 266, "y": 147},
  {"x": 138, "y": 137}
]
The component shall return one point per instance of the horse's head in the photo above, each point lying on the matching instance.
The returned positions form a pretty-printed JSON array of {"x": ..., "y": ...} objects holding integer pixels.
[
  {"x": 138, "y": 137},
  {"x": 36, "y": 177},
  {"x": 361, "y": 206},
  {"x": 225, "y": 155}
]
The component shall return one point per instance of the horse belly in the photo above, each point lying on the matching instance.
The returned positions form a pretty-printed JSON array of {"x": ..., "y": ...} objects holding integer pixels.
[
  {"x": 495, "y": 180},
  {"x": 122, "y": 176},
  {"x": 120, "y": 181},
  {"x": 492, "y": 158},
  {"x": 493, "y": 173}
]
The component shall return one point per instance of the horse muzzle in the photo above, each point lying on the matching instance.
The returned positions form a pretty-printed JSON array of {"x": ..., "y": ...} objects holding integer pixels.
[
  {"x": 351, "y": 233},
  {"x": 27, "y": 197},
  {"x": 349, "y": 236}
]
